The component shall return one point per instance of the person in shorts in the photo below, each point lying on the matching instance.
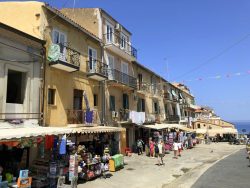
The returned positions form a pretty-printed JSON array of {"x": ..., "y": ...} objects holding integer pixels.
[
  {"x": 161, "y": 153},
  {"x": 175, "y": 148}
]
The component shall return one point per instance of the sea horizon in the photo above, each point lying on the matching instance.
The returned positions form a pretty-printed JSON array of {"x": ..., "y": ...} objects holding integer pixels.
[{"x": 241, "y": 125}]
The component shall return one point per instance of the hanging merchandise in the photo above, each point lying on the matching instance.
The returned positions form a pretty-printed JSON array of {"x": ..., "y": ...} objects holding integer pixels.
[
  {"x": 49, "y": 140},
  {"x": 73, "y": 167},
  {"x": 89, "y": 116},
  {"x": 26, "y": 142},
  {"x": 62, "y": 149},
  {"x": 54, "y": 52}
]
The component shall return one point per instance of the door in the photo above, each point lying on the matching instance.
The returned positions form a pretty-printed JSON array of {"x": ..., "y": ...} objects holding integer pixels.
[
  {"x": 123, "y": 41},
  {"x": 92, "y": 60},
  {"x": 60, "y": 39},
  {"x": 109, "y": 34},
  {"x": 111, "y": 67},
  {"x": 124, "y": 69},
  {"x": 77, "y": 114}
]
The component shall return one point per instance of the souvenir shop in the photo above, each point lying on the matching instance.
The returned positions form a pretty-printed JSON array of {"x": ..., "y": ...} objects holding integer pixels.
[
  {"x": 70, "y": 156},
  {"x": 94, "y": 150},
  {"x": 168, "y": 133},
  {"x": 17, "y": 149}
]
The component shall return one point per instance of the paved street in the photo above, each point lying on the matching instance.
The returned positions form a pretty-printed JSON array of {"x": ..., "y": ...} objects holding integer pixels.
[
  {"x": 142, "y": 171},
  {"x": 231, "y": 172}
]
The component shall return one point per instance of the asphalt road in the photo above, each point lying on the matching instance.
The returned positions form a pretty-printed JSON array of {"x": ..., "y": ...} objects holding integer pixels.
[{"x": 231, "y": 172}]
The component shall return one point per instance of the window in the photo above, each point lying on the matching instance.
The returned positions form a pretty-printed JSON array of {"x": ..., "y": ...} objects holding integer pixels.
[
  {"x": 154, "y": 86},
  {"x": 186, "y": 114},
  {"x": 199, "y": 126},
  {"x": 16, "y": 86},
  {"x": 111, "y": 67},
  {"x": 156, "y": 107},
  {"x": 78, "y": 96},
  {"x": 51, "y": 96},
  {"x": 125, "y": 100},
  {"x": 110, "y": 30},
  {"x": 123, "y": 41},
  {"x": 139, "y": 81},
  {"x": 174, "y": 110},
  {"x": 59, "y": 37},
  {"x": 124, "y": 69},
  {"x": 95, "y": 100},
  {"x": 92, "y": 59},
  {"x": 141, "y": 105},
  {"x": 112, "y": 103}
]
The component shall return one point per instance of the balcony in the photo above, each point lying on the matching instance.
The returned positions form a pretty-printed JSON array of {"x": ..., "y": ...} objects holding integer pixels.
[
  {"x": 64, "y": 58},
  {"x": 122, "y": 78},
  {"x": 87, "y": 118},
  {"x": 97, "y": 70},
  {"x": 143, "y": 88},
  {"x": 172, "y": 118},
  {"x": 168, "y": 96},
  {"x": 120, "y": 46}
]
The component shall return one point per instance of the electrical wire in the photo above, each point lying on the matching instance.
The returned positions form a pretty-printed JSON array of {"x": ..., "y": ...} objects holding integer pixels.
[
  {"x": 215, "y": 56},
  {"x": 21, "y": 49},
  {"x": 21, "y": 61}
]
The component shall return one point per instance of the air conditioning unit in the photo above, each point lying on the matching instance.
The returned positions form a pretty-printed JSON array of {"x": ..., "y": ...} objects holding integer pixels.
[
  {"x": 118, "y": 26},
  {"x": 114, "y": 114}
]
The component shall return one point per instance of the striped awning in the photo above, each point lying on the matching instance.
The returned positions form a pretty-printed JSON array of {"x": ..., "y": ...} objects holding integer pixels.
[
  {"x": 34, "y": 131},
  {"x": 168, "y": 126},
  {"x": 97, "y": 129}
]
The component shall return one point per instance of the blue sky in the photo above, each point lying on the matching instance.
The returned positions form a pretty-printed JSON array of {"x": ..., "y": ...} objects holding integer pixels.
[{"x": 175, "y": 36}]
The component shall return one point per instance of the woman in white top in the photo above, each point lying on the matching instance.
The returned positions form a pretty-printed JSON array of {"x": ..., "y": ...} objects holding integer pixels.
[{"x": 175, "y": 147}]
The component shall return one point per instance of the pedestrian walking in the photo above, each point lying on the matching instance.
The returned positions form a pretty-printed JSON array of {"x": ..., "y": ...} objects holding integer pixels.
[
  {"x": 161, "y": 153},
  {"x": 179, "y": 148},
  {"x": 175, "y": 147},
  {"x": 151, "y": 147},
  {"x": 139, "y": 146}
]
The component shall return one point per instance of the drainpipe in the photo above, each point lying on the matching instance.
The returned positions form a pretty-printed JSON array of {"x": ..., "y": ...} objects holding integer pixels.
[
  {"x": 43, "y": 92},
  {"x": 103, "y": 92}
]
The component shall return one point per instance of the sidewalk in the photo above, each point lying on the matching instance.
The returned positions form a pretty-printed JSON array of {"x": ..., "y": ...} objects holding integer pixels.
[{"x": 142, "y": 171}]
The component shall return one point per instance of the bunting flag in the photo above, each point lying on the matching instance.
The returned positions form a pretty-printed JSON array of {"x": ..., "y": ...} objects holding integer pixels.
[{"x": 229, "y": 75}]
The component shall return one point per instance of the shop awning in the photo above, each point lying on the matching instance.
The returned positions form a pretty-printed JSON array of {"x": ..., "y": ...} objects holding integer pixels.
[
  {"x": 214, "y": 132},
  {"x": 163, "y": 126},
  {"x": 97, "y": 129},
  {"x": 187, "y": 129},
  {"x": 34, "y": 131},
  {"x": 201, "y": 131}
]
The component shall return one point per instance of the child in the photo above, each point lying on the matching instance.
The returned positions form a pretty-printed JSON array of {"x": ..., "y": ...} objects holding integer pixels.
[{"x": 175, "y": 147}]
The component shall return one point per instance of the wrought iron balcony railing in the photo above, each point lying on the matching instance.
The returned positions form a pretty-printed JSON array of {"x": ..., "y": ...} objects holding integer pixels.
[
  {"x": 97, "y": 67},
  {"x": 117, "y": 40},
  {"x": 172, "y": 118},
  {"x": 86, "y": 117},
  {"x": 122, "y": 78}
]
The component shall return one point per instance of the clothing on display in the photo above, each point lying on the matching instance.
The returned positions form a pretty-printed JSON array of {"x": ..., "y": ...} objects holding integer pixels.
[
  {"x": 62, "y": 149},
  {"x": 137, "y": 117},
  {"x": 89, "y": 116},
  {"x": 49, "y": 140}
]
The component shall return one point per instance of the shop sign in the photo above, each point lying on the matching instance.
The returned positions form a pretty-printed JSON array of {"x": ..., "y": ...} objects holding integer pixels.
[{"x": 73, "y": 167}]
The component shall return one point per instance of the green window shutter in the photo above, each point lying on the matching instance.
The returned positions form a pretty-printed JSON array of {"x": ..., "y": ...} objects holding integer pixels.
[{"x": 112, "y": 103}]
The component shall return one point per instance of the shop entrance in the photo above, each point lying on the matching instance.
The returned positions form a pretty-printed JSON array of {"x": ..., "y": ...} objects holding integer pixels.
[{"x": 127, "y": 137}]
